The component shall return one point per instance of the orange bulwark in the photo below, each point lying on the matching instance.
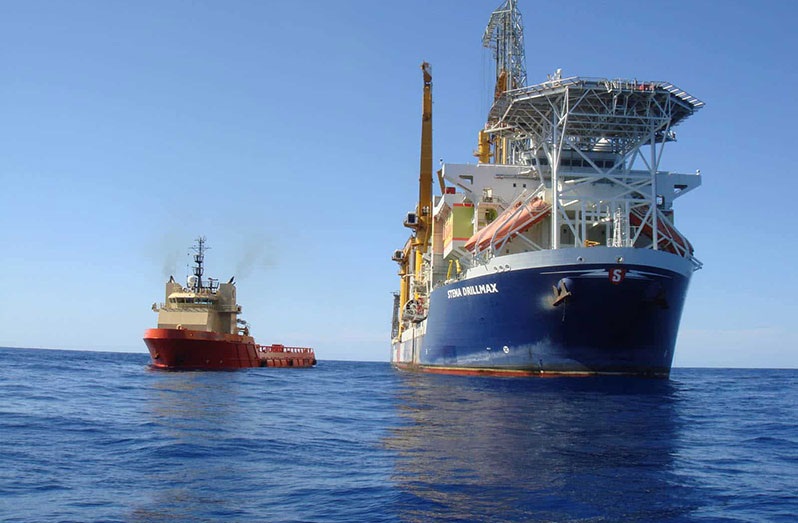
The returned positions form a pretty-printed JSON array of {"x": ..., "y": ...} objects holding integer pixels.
[{"x": 282, "y": 356}]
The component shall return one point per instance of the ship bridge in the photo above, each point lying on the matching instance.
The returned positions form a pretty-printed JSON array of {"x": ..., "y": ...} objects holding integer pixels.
[{"x": 191, "y": 298}]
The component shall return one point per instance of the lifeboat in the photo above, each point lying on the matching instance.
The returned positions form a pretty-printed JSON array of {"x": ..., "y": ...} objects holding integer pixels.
[
  {"x": 668, "y": 238},
  {"x": 510, "y": 223}
]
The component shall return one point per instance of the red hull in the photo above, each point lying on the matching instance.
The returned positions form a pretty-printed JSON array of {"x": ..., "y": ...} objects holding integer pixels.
[{"x": 187, "y": 349}]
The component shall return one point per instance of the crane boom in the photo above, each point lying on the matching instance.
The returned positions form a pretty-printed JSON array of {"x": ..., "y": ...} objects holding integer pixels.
[
  {"x": 424, "y": 209},
  {"x": 411, "y": 257}
]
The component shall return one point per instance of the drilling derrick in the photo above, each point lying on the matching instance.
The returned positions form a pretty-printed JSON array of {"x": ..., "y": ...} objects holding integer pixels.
[{"x": 505, "y": 36}]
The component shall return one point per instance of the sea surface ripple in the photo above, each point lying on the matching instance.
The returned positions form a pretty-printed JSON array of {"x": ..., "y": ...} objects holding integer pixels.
[{"x": 88, "y": 436}]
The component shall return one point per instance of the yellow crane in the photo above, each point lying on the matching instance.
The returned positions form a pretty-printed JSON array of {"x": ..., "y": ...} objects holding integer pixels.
[
  {"x": 421, "y": 222},
  {"x": 424, "y": 208}
]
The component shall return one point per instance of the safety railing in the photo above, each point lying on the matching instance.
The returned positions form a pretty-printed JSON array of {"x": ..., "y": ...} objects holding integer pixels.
[
  {"x": 193, "y": 306},
  {"x": 283, "y": 348},
  {"x": 607, "y": 83}
]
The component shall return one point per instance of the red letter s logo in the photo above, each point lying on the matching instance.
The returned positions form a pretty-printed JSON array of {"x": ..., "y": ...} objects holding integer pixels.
[{"x": 616, "y": 275}]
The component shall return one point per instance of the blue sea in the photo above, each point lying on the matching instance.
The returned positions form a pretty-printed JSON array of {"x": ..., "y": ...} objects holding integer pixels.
[{"x": 88, "y": 436}]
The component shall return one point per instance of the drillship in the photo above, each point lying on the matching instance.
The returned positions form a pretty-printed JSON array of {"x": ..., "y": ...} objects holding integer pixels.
[
  {"x": 557, "y": 253},
  {"x": 199, "y": 328}
]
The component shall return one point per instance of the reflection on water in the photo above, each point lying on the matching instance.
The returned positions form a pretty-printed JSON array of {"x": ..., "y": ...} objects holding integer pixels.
[
  {"x": 492, "y": 448},
  {"x": 192, "y": 400},
  {"x": 194, "y": 416},
  {"x": 97, "y": 437}
]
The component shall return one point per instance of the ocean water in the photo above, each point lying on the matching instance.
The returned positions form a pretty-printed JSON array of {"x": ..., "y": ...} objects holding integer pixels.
[{"x": 90, "y": 436}]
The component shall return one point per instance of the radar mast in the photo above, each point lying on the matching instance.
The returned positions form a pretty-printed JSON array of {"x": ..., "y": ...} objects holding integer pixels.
[{"x": 199, "y": 259}]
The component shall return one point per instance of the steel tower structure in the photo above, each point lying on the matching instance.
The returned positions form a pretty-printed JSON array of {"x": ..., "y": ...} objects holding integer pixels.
[
  {"x": 587, "y": 133},
  {"x": 505, "y": 35}
]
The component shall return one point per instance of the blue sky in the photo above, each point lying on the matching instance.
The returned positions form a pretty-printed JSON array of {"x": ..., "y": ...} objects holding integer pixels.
[{"x": 289, "y": 136}]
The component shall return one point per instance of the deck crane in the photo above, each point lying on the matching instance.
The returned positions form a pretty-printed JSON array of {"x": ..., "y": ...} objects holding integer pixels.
[
  {"x": 424, "y": 208},
  {"x": 411, "y": 257}
]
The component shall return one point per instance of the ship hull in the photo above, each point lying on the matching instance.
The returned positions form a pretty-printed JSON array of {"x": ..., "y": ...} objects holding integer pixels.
[
  {"x": 581, "y": 312},
  {"x": 187, "y": 349}
]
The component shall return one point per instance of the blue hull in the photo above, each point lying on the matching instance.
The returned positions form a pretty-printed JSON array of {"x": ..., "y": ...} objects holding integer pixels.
[{"x": 507, "y": 321}]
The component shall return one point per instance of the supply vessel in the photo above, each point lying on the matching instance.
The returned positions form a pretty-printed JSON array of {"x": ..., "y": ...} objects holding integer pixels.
[
  {"x": 557, "y": 253},
  {"x": 199, "y": 328}
]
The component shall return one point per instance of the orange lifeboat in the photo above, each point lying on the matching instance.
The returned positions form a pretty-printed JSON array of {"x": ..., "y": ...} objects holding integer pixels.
[
  {"x": 510, "y": 223},
  {"x": 668, "y": 237}
]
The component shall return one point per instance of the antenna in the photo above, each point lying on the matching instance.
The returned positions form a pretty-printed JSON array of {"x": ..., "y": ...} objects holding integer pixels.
[{"x": 199, "y": 258}]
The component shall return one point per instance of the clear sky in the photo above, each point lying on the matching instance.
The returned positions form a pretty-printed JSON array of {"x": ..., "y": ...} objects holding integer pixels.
[{"x": 288, "y": 134}]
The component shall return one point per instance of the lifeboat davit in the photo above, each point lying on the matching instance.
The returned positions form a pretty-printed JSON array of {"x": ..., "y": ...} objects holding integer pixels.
[
  {"x": 509, "y": 223},
  {"x": 668, "y": 238}
]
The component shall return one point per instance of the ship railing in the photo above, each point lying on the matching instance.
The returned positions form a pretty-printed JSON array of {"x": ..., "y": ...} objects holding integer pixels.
[
  {"x": 608, "y": 83},
  {"x": 188, "y": 306},
  {"x": 283, "y": 348}
]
